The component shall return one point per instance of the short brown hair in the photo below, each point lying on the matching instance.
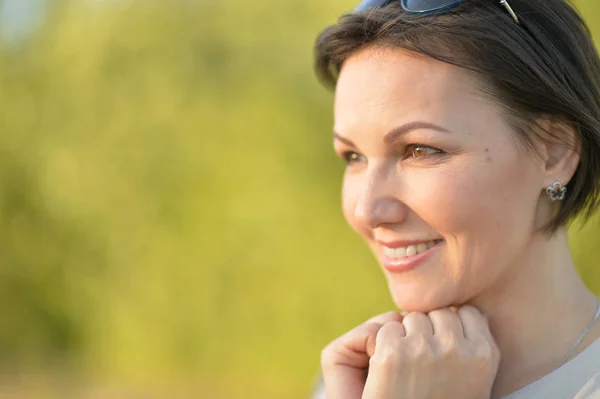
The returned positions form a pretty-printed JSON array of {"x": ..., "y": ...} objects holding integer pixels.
[{"x": 545, "y": 66}]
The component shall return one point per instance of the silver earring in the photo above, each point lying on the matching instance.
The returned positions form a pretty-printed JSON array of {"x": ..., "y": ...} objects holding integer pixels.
[{"x": 556, "y": 192}]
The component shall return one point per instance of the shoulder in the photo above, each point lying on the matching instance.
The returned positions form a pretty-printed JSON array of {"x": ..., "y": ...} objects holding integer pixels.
[
  {"x": 577, "y": 379},
  {"x": 591, "y": 390}
]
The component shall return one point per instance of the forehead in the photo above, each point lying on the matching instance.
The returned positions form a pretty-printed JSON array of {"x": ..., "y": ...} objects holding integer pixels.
[{"x": 378, "y": 84}]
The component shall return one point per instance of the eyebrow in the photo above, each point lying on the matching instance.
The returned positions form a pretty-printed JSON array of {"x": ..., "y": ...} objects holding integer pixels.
[
  {"x": 395, "y": 133},
  {"x": 400, "y": 130},
  {"x": 343, "y": 140}
]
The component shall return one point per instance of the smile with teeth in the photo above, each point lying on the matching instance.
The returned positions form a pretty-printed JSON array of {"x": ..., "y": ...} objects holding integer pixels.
[{"x": 411, "y": 250}]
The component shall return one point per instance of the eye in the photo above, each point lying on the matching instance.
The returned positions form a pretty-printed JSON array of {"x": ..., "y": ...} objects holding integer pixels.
[
  {"x": 420, "y": 151},
  {"x": 351, "y": 157}
]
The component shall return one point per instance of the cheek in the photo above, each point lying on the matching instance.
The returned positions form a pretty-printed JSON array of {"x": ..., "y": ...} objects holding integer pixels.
[
  {"x": 480, "y": 201},
  {"x": 350, "y": 195}
]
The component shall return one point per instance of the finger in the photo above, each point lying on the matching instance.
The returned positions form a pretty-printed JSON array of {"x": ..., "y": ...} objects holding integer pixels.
[
  {"x": 383, "y": 378},
  {"x": 446, "y": 322},
  {"x": 417, "y": 323},
  {"x": 386, "y": 317},
  {"x": 351, "y": 348},
  {"x": 474, "y": 324},
  {"x": 362, "y": 339},
  {"x": 345, "y": 361},
  {"x": 389, "y": 334},
  {"x": 380, "y": 320}
]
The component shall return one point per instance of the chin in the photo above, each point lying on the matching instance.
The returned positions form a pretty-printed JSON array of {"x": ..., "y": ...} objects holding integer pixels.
[{"x": 411, "y": 299}]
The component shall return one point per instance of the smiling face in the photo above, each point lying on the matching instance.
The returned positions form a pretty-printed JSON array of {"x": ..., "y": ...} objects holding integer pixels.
[{"x": 436, "y": 182}]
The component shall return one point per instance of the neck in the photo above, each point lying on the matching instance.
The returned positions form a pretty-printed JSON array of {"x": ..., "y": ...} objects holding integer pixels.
[{"x": 535, "y": 325}]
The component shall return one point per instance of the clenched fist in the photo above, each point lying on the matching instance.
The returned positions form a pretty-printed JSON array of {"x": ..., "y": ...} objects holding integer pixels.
[{"x": 442, "y": 354}]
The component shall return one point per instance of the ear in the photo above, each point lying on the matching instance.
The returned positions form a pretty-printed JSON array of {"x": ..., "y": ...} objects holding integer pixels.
[{"x": 560, "y": 150}]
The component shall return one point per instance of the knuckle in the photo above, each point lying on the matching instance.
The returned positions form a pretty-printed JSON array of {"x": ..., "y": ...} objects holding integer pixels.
[
  {"x": 484, "y": 356},
  {"x": 419, "y": 341},
  {"x": 332, "y": 353},
  {"x": 483, "y": 352},
  {"x": 389, "y": 351},
  {"x": 328, "y": 356},
  {"x": 385, "y": 317},
  {"x": 420, "y": 347},
  {"x": 492, "y": 352},
  {"x": 391, "y": 331},
  {"x": 387, "y": 358},
  {"x": 465, "y": 351},
  {"x": 372, "y": 326},
  {"x": 448, "y": 345},
  {"x": 415, "y": 316},
  {"x": 478, "y": 357}
]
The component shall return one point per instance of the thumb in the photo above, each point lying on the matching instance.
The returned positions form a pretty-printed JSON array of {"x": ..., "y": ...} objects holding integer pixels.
[{"x": 346, "y": 360}]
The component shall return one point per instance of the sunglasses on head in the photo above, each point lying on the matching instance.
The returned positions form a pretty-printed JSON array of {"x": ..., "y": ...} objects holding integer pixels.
[{"x": 425, "y": 6}]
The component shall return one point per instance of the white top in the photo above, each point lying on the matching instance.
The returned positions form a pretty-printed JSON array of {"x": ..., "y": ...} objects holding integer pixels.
[{"x": 579, "y": 378}]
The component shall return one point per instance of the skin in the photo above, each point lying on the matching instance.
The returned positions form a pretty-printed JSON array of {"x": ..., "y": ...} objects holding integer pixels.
[{"x": 474, "y": 187}]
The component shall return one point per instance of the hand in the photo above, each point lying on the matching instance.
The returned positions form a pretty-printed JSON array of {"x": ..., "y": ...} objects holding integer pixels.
[
  {"x": 345, "y": 361},
  {"x": 443, "y": 354}
]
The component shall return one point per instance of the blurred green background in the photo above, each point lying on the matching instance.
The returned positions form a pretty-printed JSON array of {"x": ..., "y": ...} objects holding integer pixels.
[{"x": 169, "y": 203}]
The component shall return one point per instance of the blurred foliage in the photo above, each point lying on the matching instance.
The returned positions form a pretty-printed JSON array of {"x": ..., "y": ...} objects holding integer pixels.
[{"x": 169, "y": 202}]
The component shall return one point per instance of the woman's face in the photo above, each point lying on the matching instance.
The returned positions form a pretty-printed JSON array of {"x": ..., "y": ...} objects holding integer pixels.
[{"x": 436, "y": 182}]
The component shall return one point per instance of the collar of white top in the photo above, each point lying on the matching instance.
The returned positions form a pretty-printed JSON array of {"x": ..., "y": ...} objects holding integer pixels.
[{"x": 584, "y": 333}]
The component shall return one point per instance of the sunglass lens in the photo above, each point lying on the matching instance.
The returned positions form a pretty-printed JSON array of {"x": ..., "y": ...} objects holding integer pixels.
[
  {"x": 429, "y": 5},
  {"x": 368, "y": 4}
]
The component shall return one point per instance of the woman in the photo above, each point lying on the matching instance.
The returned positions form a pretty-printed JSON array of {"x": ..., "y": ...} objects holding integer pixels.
[{"x": 471, "y": 133}]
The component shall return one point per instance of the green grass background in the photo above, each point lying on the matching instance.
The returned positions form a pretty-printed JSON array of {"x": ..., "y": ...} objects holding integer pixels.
[{"x": 169, "y": 203}]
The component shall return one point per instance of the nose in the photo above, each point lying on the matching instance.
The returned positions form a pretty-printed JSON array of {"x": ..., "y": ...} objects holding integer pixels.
[{"x": 379, "y": 202}]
